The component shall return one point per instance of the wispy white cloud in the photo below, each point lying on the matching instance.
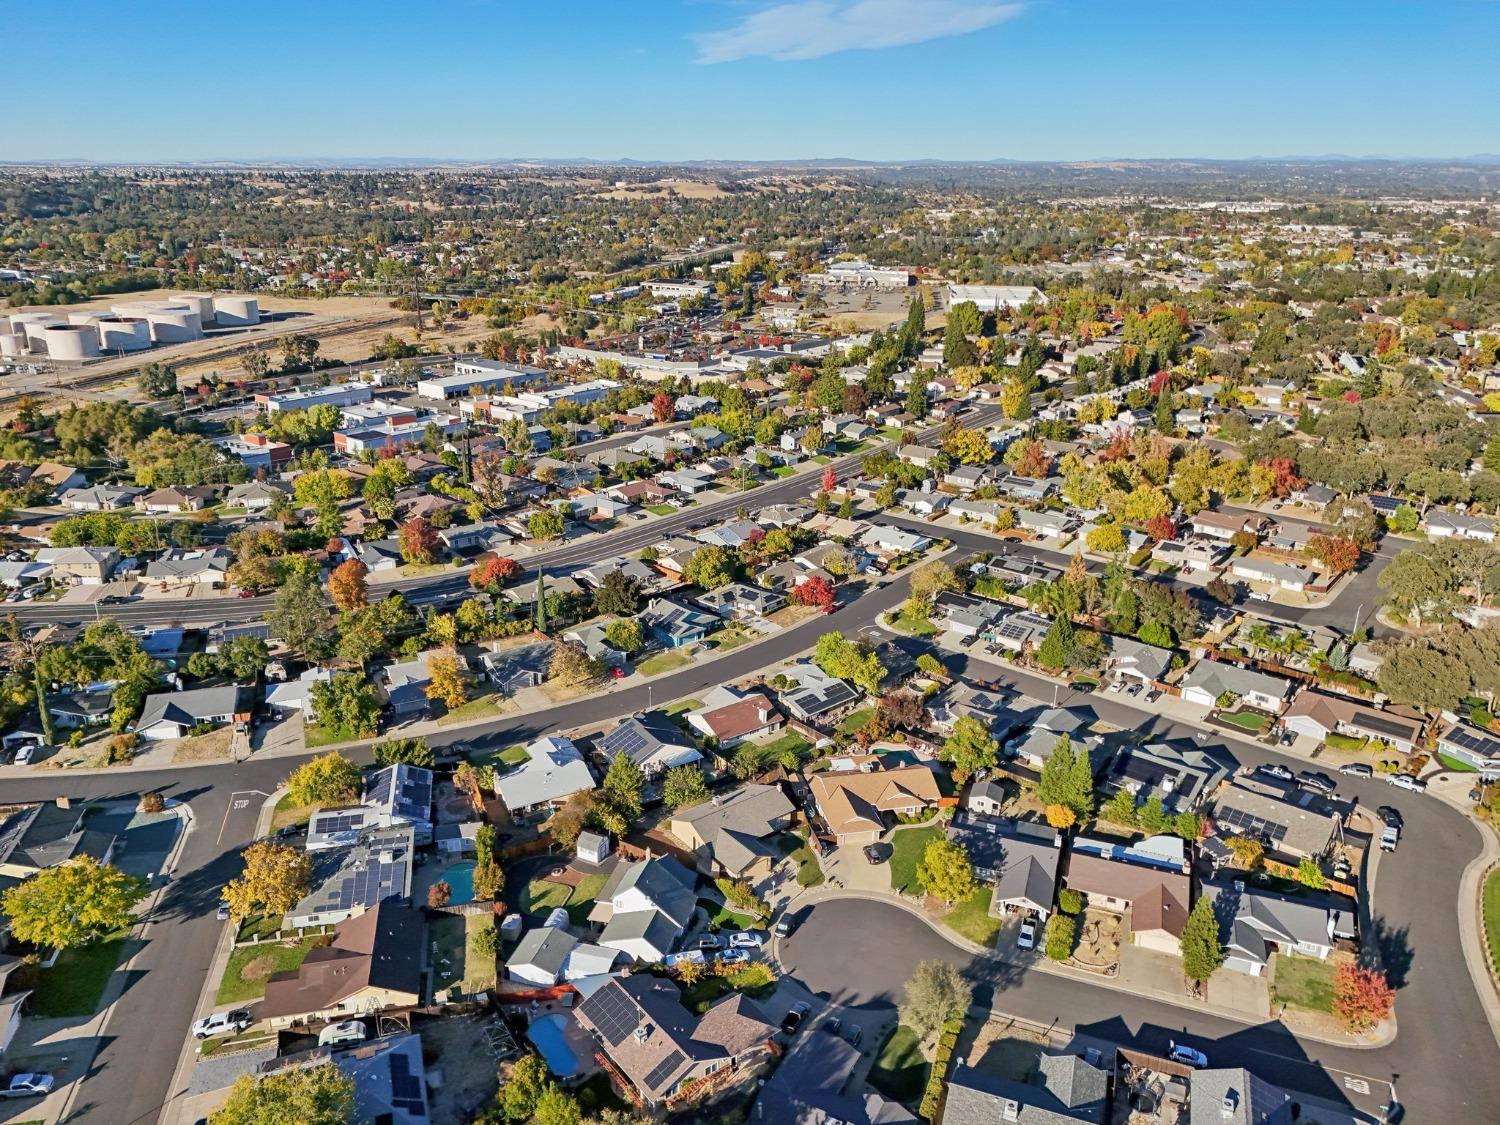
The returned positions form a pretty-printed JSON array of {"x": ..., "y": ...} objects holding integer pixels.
[{"x": 810, "y": 29}]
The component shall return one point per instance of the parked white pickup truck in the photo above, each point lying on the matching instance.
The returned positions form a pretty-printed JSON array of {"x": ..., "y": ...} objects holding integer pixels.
[{"x": 223, "y": 1023}]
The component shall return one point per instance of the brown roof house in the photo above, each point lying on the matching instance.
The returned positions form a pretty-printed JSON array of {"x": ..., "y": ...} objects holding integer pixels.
[
  {"x": 660, "y": 1047},
  {"x": 374, "y": 962},
  {"x": 731, "y": 835},
  {"x": 856, "y": 801},
  {"x": 731, "y": 717},
  {"x": 1156, "y": 899}
]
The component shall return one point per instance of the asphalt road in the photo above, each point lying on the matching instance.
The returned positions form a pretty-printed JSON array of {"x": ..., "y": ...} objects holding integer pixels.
[
  {"x": 1443, "y": 1030},
  {"x": 584, "y": 549}
]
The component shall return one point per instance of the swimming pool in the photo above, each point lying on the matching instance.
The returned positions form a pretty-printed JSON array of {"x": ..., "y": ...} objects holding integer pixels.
[
  {"x": 460, "y": 876},
  {"x": 549, "y": 1034}
]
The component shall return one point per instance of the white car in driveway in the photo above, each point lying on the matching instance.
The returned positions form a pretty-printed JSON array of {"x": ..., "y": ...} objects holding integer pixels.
[
  {"x": 28, "y": 1086},
  {"x": 1026, "y": 939},
  {"x": 223, "y": 1023},
  {"x": 1407, "y": 782},
  {"x": 747, "y": 939}
]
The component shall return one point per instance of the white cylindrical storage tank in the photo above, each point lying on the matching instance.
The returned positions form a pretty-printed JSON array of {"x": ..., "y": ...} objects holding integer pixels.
[
  {"x": 124, "y": 333},
  {"x": 12, "y": 343},
  {"x": 84, "y": 317},
  {"x": 71, "y": 341},
  {"x": 200, "y": 303},
  {"x": 236, "y": 312},
  {"x": 34, "y": 324},
  {"x": 174, "y": 325}
]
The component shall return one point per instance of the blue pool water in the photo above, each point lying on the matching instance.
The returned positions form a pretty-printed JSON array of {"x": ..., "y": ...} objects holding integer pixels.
[
  {"x": 546, "y": 1032},
  {"x": 460, "y": 877}
]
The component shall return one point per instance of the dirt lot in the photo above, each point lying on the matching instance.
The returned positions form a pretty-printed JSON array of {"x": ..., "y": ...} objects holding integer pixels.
[{"x": 469, "y": 1078}]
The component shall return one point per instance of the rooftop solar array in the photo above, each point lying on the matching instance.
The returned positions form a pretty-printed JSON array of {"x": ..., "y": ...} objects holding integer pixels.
[
  {"x": 1472, "y": 740},
  {"x": 1252, "y": 827},
  {"x": 406, "y": 1087},
  {"x": 614, "y": 1013},
  {"x": 339, "y": 822},
  {"x": 1385, "y": 725},
  {"x": 665, "y": 1069}
]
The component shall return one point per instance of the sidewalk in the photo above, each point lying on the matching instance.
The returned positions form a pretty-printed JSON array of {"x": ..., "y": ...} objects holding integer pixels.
[
  {"x": 82, "y": 1037},
  {"x": 1454, "y": 789},
  {"x": 189, "y": 1057}
]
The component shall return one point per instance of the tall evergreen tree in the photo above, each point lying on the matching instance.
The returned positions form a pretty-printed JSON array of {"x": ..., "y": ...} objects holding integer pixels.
[{"x": 1202, "y": 953}]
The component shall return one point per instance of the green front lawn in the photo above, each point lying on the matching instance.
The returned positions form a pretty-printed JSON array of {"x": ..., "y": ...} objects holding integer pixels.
[
  {"x": 1450, "y": 763},
  {"x": 660, "y": 509},
  {"x": 259, "y": 926},
  {"x": 728, "y": 639},
  {"x": 900, "y": 1071},
  {"x": 250, "y": 965},
  {"x": 857, "y": 720},
  {"x": 481, "y": 708},
  {"x": 315, "y": 736},
  {"x": 1303, "y": 982},
  {"x": 1252, "y": 721},
  {"x": 663, "y": 662},
  {"x": 721, "y": 916},
  {"x": 908, "y": 847},
  {"x": 672, "y": 710},
  {"x": 514, "y": 755},
  {"x": 1491, "y": 898},
  {"x": 1344, "y": 742},
  {"x": 73, "y": 986},
  {"x": 916, "y": 626},
  {"x": 971, "y": 918},
  {"x": 287, "y": 812}
]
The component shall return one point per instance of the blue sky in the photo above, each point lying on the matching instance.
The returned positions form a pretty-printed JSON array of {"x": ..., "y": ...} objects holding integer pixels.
[{"x": 750, "y": 79}]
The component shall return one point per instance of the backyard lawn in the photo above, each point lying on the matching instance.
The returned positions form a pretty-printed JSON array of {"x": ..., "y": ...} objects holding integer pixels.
[
  {"x": 453, "y": 958},
  {"x": 250, "y": 965},
  {"x": 908, "y": 846},
  {"x": 663, "y": 662},
  {"x": 542, "y": 896},
  {"x": 856, "y": 721},
  {"x": 73, "y": 985},
  {"x": 790, "y": 740},
  {"x": 900, "y": 1071},
  {"x": 1492, "y": 917},
  {"x": 1303, "y": 982},
  {"x": 971, "y": 918}
]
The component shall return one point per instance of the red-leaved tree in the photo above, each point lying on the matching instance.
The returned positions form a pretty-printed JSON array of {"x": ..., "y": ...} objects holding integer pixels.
[
  {"x": 830, "y": 479},
  {"x": 493, "y": 572},
  {"x": 1338, "y": 553},
  {"x": 664, "y": 406},
  {"x": 816, "y": 591},
  {"x": 1284, "y": 474},
  {"x": 1361, "y": 997},
  {"x": 1161, "y": 528},
  {"x": 419, "y": 541}
]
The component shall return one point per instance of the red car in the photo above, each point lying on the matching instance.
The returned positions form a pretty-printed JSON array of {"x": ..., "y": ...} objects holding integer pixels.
[
  {"x": 248, "y": 594},
  {"x": 617, "y": 672}
]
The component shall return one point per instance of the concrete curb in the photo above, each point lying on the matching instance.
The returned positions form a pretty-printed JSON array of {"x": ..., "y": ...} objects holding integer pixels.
[
  {"x": 116, "y": 988},
  {"x": 1471, "y": 926}
]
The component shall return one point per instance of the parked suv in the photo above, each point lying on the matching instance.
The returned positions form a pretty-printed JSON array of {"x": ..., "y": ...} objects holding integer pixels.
[{"x": 1389, "y": 838}]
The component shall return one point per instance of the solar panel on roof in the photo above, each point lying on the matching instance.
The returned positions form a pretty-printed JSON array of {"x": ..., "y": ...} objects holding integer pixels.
[
  {"x": 613, "y": 1013},
  {"x": 664, "y": 1069}
]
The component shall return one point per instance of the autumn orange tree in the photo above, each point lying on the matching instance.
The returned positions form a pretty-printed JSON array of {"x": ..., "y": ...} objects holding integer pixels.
[
  {"x": 1361, "y": 997},
  {"x": 347, "y": 587}
]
